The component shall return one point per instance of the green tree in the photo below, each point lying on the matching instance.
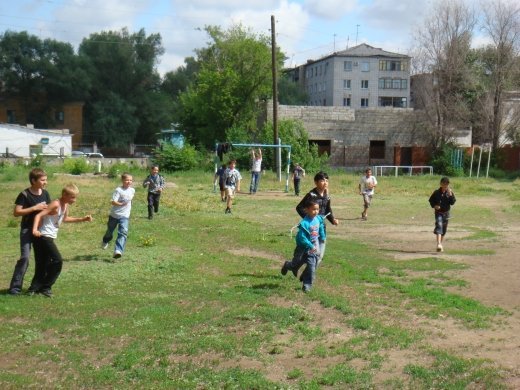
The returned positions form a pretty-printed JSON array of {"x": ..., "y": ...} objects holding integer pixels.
[
  {"x": 235, "y": 74},
  {"x": 126, "y": 104},
  {"x": 42, "y": 74},
  {"x": 293, "y": 133},
  {"x": 291, "y": 93}
]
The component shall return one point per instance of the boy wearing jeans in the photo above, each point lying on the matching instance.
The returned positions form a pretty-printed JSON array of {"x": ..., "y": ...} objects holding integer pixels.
[
  {"x": 441, "y": 201},
  {"x": 310, "y": 235},
  {"x": 119, "y": 215}
]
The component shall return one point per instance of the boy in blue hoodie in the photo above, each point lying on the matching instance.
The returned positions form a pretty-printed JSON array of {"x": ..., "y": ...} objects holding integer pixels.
[{"x": 310, "y": 234}]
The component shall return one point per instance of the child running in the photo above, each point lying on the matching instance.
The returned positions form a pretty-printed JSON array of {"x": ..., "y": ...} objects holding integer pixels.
[
  {"x": 231, "y": 184},
  {"x": 45, "y": 230},
  {"x": 441, "y": 201},
  {"x": 310, "y": 235},
  {"x": 320, "y": 194},
  {"x": 120, "y": 215},
  {"x": 155, "y": 184}
]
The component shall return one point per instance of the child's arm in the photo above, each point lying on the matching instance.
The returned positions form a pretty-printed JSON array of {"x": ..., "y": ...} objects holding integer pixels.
[
  {"x": 86, "y": 218},
  {"x": 321, "y": 232},
  {"x": 19, "y": 211},
  {"x": 146, "y": 181}
]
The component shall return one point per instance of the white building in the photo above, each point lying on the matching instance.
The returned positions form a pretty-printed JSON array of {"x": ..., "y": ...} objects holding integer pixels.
[
  {"x": 21, "y": 141},
  {"x": 360, "y": 77}
]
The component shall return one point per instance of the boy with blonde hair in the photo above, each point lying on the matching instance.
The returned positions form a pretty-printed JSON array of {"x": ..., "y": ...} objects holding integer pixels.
[{"x": 45, "y": 230}]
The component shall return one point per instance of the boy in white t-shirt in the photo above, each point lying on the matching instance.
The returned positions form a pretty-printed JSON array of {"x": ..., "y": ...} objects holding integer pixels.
[
  {"x": 120, "y": 215},
  {"x": 367, "y": 183},
  {"x": 256, "y": 170}
]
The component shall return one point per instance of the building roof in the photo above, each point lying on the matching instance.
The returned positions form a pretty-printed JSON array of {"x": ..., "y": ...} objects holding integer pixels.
[{"x": 362, "y": 50}]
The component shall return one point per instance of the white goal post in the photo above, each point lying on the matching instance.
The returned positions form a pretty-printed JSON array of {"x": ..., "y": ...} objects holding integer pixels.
[{"x": 279, "y": 147}]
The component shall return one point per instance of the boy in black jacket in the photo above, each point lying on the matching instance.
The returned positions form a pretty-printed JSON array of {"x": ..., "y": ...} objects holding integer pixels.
[{"x": 441, "y": 201}]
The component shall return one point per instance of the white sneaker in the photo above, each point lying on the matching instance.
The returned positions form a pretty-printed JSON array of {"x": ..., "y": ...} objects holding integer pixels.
[
  {"x": 117, "y": 255},
  {"x": 104, "y": 245},
  {"x": 440, "y": 248}
]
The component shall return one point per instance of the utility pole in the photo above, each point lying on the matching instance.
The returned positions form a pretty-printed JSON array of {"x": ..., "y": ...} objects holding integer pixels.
[
  {"x": 275, "y": 99},
  {"x": 357, "y": 32}
]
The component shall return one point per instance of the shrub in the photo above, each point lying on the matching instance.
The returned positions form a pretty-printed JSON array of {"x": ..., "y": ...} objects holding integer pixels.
[
  {"x": 173, "y": 158},
  {"x": 117, "y": 170},
  {"x": 76, "y": 166}
]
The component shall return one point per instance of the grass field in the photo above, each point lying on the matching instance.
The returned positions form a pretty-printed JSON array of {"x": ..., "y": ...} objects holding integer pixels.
[{"x": 198, "y": 301}]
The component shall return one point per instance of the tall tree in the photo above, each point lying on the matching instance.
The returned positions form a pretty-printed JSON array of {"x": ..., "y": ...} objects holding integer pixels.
[
  {"x": 443, "y": 45},
  {"x": 235, "y": 74},
  {"x": 42, "y": 74},
  {"x": 126, "y": 104},
  {"x": 501, "y": 73}
]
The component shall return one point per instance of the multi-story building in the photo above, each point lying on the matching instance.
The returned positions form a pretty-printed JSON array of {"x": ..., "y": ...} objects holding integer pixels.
[{"x": 360, "y": 77}]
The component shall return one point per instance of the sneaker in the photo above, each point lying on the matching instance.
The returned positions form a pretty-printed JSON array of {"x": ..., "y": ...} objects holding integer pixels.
[
  {"x": 104, "y": 245},
  {"x": 306, "y": 288},
  {"x": 440, "y": 248},
  {"x": 285, "y": 268},
  {"x": 150, "y": 217},
  {"x": 228, "y": 211},
  {"x": 46, "y": 292},
  {"x": 14, "y": 292},
  {"x": 117, "y": 255}
]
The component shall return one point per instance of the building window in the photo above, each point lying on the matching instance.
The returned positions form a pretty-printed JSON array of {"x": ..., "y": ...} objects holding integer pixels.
[
  {"x": 390, "y": 65},
  {"x": 388, "y": 83},
  {"x": 346, "y": 102},
  {"x": 346, "y": 84},
  {"x": 377, "y": 149},
  {"x": 324, "y": 102},
  {"x": 388, "y": 101},
  {"x": 321, "y": 69},
  {"x": 347, "y": 66},
  {"x": 364, "y": 84},
  {"x": 11, "y": 116},
  {"x": 364, "y": 102},
  {"x": 365, "y": 66}
]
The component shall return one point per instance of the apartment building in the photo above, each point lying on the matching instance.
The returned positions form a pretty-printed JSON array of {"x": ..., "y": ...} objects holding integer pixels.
[{"x": 360, "y": 77}]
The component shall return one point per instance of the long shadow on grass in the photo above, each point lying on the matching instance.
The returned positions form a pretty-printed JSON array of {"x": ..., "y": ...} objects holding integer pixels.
[{"x": 91, "y": 258}]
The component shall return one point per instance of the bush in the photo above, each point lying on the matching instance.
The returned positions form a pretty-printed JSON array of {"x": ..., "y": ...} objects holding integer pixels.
[
  {"x": 117, "y": 170},
  {"x": 76, "y": 166},
  {"x": 173, "y": 158}
]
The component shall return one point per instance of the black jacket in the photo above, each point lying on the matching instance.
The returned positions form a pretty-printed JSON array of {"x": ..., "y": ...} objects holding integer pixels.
[
  {"x": 442, "y": 199},
  {"x": 323, "y": 203}
]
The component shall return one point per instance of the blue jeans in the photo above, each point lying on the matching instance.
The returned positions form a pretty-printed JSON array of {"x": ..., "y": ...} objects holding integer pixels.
[
  {"x": 303, "y": 256},
  {"x": 26, "y": 239},
  {"x": 441, "y": 223},
  {"x": 122, "y": 232},
  {"x": 255, "y": 179}
]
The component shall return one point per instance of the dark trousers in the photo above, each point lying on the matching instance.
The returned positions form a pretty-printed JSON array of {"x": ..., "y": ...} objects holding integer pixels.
[
  {"x": 153, "y": 203},
  {"x": 48, "y": 262},
  {"x": 296, "y": 187},
  {"x": 26, "y": 239}
]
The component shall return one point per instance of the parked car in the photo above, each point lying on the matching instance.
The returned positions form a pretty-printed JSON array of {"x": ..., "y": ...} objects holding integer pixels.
[
  {"x": 94, "y": 155},
  {"x": 77, "y": 153}
]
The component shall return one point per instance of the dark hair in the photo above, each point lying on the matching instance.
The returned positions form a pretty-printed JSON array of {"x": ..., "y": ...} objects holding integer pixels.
[
  {"x": 154, "y": 166},
  {"x": 126, "y": 175},
  {"x": 321, "y": 176},
  {"x": 309, "y": 202},
  {"x": 445, "y": 180},
  {"x": 35, "y": 174}
]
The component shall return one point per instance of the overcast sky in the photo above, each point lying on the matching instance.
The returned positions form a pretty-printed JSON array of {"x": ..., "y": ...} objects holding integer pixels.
[{"x": 306, "y": 29}]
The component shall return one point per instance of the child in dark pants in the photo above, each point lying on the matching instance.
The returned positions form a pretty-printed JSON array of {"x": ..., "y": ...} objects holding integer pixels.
[
  {"x": 45, "y": 230},
  {"x": 310, "y": 234},
  {"x": 155, "y": 183},
  {"x": 441, "y": 201}
]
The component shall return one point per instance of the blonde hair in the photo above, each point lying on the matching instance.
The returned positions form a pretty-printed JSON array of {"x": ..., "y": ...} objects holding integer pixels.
[{"x": 70, "y": 189}]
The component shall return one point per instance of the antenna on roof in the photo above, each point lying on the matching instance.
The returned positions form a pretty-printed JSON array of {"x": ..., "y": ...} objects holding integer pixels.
[{"x": 357, "y": 32}]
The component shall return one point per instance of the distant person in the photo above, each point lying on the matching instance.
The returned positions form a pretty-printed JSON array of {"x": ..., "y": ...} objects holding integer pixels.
[
  {"x": 441, "y": 201},
  {"x": 45, "y": 230},
  {"x": 232, "y": 179},
  {"x": 311, "y": 235},
  {"x": 120, "y": 215},
  {"x": 367, "y": 183},
  {"x": 221, "y": 181},
  {"x": 256, "y": 170},
  {"x": 155, "y": 184},
  {"x": 297, "y": 174},
  {"x": 28, "y": 203},
  {"x": 320, "y": 194}
]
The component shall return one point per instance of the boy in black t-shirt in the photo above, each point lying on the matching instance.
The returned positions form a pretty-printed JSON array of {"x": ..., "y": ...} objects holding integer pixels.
[{"x": 29, "y": 202}]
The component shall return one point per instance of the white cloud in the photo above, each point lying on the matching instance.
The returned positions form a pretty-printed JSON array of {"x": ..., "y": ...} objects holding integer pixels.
[{"x": 330, "y": 9}]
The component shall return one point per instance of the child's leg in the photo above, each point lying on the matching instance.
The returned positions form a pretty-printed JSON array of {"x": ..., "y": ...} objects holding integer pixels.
[
  {"x": 54, "y": 264},
  {"x": 309, "y": 272},
  {"x": 40, "y": 264},
  {"x": 111, "y": 226},
  {"x": 156, "y": 200},
  {"x": 150, "y": 199},
  {"x": 122, "y": 234},
  {"x": 22, "y": 264}
]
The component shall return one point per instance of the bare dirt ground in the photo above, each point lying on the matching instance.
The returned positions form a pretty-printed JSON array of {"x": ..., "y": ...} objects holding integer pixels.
[{"x": 493, "y": 279}]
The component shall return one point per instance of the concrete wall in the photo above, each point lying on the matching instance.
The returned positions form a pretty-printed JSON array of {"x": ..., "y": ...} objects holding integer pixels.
[
  {"x": 18, "y": 139},
  {"x": 350, "y": 131}
]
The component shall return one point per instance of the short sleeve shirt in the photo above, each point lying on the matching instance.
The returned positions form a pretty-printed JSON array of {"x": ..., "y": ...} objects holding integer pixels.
[
  {"x": 122, "y": 195},
  {"x": 365, "y": 182},
  {"x": 27, "y": 199}
]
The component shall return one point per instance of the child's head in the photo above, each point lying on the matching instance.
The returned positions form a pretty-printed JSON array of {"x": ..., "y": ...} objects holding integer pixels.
[
  {"x": 69, "y": 193},
  {"x": 154, "y": 169},
  {"x": 445, "y": 183},
  {"x": 321, "y": 180},
  {"x": 127, "y": 180},
  {"x": 368, "y": 171},
  {"x": 311, "y": 208},
  {"x": 38, "y": 177},
  {"x": 232, "y": 164}
]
